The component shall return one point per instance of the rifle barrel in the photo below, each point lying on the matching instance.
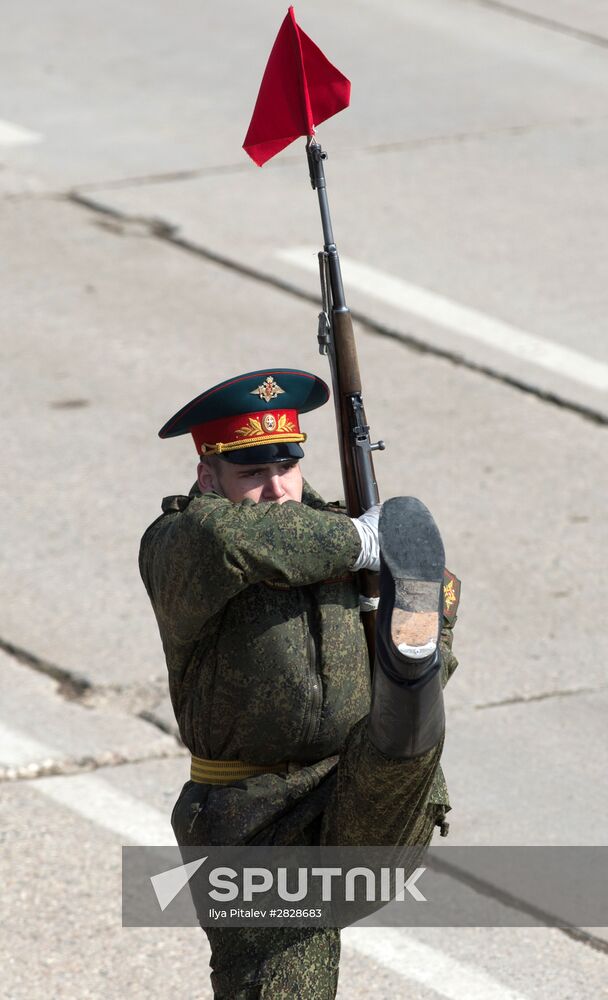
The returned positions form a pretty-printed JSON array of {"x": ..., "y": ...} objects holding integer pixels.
[{"x": 317, "y": 179}]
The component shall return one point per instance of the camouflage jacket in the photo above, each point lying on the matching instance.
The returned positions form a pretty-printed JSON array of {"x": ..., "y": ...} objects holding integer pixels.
[{"x": 259, "y": 619}]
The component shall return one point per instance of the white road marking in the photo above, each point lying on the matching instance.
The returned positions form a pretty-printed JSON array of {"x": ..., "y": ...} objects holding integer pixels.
[
  {"x": 133, "y": 820},
  {"x": 89, "y": 794},
  {"x": 396, "y": 950},
  {"x": 107, "y": 806},
  {"x": 17, "y": 749},
  {"x": 460, "y": 319},
  {"x": 16, "y": 135}
]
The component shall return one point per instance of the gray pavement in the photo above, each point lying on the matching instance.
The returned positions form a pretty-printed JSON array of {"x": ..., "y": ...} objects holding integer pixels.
[
  {"x": 471, "y": 166},
  {"x": 81, "y": 735}
]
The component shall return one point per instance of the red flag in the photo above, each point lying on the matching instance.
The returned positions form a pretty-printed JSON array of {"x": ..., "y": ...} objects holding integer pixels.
[{"x": 300, "y": 89}]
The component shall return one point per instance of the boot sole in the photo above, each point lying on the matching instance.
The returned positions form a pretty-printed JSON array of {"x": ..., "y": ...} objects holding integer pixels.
[{"x": 412, "y": 551}]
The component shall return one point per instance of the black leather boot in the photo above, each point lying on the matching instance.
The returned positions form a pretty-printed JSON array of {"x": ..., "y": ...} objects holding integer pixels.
[{"x": 406, "y": 717}]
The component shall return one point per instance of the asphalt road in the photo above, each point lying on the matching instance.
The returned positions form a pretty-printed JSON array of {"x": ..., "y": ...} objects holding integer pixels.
[{"x": 145, "y": 257}]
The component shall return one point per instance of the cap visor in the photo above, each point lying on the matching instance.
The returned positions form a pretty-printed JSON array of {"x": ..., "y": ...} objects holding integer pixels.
[{"x": 263, "y": 454}]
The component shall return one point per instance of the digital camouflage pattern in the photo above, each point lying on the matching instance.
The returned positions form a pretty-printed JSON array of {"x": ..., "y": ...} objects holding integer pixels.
[
  {"x": 248, "y": 633},
  {"x": 367, "y": 798},
  {"x": 270, "y": 963},
  {"x": 260, "y": 624},
  {"x": 266, "y": 663},
  {"x": 372, "y": 800}
]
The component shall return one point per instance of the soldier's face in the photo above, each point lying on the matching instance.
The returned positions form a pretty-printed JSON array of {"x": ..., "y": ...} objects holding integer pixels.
[{"x": 275, "y": 482}]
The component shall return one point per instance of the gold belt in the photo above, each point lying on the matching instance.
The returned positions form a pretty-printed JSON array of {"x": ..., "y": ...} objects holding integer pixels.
[{"x": 222, "y": 772}]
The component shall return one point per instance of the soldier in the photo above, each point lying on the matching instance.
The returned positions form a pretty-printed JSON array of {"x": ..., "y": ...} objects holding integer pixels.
[{"x": 251, "y": 577}]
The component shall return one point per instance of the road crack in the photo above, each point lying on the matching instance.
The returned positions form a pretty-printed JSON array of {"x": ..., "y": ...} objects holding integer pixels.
[
  {"x": 170, "y": 233},
  {"x": 352, "y": 152},
  {"x": 70, "y": 685},
  {"x": 141, "y": 698},
  {"x": 544, "y": 22},
  {"x": 486, "y": 888},
  {"x": 524, "y": 699}
]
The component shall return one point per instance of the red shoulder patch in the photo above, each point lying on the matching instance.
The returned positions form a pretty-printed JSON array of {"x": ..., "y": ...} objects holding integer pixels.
[{"x": 451, "y": 595}]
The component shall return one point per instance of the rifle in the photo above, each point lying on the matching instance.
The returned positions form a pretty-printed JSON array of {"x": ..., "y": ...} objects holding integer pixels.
[
  {"x": 312, "y": 90},
  {"x": 337, "y": 341}
]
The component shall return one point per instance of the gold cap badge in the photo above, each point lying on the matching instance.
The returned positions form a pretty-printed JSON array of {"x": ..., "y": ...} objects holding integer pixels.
[{"x": 268, "y": 390}]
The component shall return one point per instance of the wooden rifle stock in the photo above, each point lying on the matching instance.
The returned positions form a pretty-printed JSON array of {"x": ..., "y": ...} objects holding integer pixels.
[{"x": 360, "y": 487}]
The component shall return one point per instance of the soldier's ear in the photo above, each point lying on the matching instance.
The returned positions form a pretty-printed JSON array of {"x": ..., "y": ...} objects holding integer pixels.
[{"x": 205, "y": 477}]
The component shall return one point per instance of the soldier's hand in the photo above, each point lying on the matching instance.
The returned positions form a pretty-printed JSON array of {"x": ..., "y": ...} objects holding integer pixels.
[{"x": 367, "y": 527}]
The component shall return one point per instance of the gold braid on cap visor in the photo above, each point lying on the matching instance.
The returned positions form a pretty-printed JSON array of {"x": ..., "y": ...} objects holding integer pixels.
[{"x": 219, "y": 446}]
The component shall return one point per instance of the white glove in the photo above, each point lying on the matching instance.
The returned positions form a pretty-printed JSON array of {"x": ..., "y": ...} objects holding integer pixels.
[{"x": 367, "y": 526}]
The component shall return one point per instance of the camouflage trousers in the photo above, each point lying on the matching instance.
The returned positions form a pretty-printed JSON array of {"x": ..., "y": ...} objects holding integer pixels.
[{"x": 368, "y": 799}]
